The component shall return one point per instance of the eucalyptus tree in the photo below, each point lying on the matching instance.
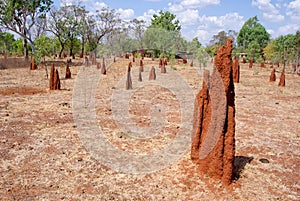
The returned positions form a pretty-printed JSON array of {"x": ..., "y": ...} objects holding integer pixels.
[
  {"x": 64, "y": 24},
  {"x": 253, "y": 37},
  {"x": 103, "y": 23},
  {"x": 19, "y": 16}
]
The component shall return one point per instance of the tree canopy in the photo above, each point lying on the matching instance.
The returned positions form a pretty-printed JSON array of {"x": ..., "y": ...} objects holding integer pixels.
[
  {"x": 165, "y": 20},
  {"x": 19, "y": 16},
  {"x": 253, "y": 37}
]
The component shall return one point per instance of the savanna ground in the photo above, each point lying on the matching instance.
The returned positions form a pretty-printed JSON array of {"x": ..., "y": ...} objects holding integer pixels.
[{"x": 43, "y": 158}]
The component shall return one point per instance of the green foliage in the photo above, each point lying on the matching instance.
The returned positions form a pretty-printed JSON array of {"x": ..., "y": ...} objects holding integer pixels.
[
  {"x": 253, "y": 35},
  {"x": 202, "y": 56},
  {"x": 193, "y": 46},
  {"x": 165, "y": 20},
  {"x": 284, "y": 48},
  {"x": 254, "y": 51},
  {"x": 6, "y": 41},
  {"x": 19, "y": 16},
  {"x": 139, "y": 28},
  {"x": 163, "y": 41},
  {"x": 44, "y": 47},
  {"x": 18, "y": 47}
]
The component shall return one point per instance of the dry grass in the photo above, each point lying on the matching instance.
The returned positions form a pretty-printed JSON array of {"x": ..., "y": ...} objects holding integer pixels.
[{"x": 13, "y": 62}]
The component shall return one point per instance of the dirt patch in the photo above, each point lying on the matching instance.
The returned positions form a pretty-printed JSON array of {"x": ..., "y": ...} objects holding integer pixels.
[{"x": 21, "y": 91}]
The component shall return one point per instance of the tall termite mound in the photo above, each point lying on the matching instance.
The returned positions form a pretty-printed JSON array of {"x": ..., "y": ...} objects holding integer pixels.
[
  {"x": 129, "y": 81},
  {"x": 273, "y": 76},
  {"x": 68, "y": 72},
  {"x": 282, "y": 79},
  {"x": 103, "y": 68},
  {"x": 140, "y": 79},
  {"x": 54, "y": 82},
  {"x": 213, "y": 141},
  {"x": 250, "y": 63},
  {"x": 236, "y": 70},
  {"x": 152, "y": 74},
  {"x": 141, "y": 66},
  {"x": 33, "y": 65},
  {"x": 163, "y": 68}
]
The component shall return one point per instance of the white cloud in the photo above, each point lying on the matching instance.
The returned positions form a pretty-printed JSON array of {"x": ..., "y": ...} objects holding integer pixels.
[
  {"x": 191, "y": 4},
  {"x": 293, "y": 10},
  {"x": 99, "y": 5},
  {"x": 126, "y": 14},
  {"x": 271, "y": 31},
  {"x": 175, "y": 7},
  {"x": 211, "y": 25},
  {"x": 203, "y": 35},
  {"x": 287, "y": 29},
  {"x": 188, "y": 17},
  {"x": 269, "y": 11},
  {"x": 147, "y": 16}
]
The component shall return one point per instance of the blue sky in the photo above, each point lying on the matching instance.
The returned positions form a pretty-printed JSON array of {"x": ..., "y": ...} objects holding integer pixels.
[{"x": 204, "y": 18}]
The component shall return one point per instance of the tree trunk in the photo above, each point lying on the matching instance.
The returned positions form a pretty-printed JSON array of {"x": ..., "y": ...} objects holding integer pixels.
[
  {"x": 82, "y": 46},
  {"x": 25, "y": 49},
  {"x": 71, "y": 51},
  {"x": 61, "y": 51},
  {"x": 31, "y": 46}
]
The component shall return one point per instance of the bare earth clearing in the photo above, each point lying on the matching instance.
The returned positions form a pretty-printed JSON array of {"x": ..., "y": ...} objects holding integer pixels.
[{"x": 43, "y": 158}]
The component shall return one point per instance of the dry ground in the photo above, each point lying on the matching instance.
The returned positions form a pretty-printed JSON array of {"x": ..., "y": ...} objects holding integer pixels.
[{"x": 43, "y": 158}]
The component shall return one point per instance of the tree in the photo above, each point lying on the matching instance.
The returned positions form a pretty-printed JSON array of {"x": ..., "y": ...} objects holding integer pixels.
[
  {"x": 44, "y": 47},
  {"x": 84, "y": 23},
  {"x": 63, "y": 23},
  {"x": 193, "y": 46},
  {"x": 219, "y": 39},
  {"x": 104, "y": 23},
  {"x": 139, "y": 28},
  {"x": 165, "y": 20},
  {"x": 7, "y": 40},
  {"x": 270, "y": 51},
  {"x": 297, "y": 43},
  {"x": 19, "y": 16},
  {"x": 251, "y": 35},
  {"x": 285, "y": 48}
]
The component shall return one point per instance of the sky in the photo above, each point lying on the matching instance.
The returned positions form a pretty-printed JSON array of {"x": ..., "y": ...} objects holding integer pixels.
[{"x": 205, "y": 18}]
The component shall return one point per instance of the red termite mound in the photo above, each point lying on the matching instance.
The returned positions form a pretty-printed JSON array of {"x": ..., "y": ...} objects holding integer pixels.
[
  {"x": 141, "y": 66},
  {"x": 166, "y": 61},
  {"x": 98, "y": 65},
  {"x": 140, "y": 76},
  {"x": 68, "y": 72},
  {"x": 192, "y": 63},
  {"x": 273, "y": 76},
  {"x": 103, "y": 68},
  {"x": 236, "y": 71},
  {"x": 152, "y": 75},
  {"x": 129, "y": 81},
  {"x": 282, "y": 79},
  {"x": 54, "y": 83},
  {"x": 215, "y": 114},
  {"x": 250, "y": 63},
  {"x": 160, "y": 63},
  {"x": 33, "y": 66},
  {"x": 184, "y": 60},
  {"x": 262, "y": 64},
  {"x": 271, "y": 65},
  {"x": 163, "y": 69}
]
